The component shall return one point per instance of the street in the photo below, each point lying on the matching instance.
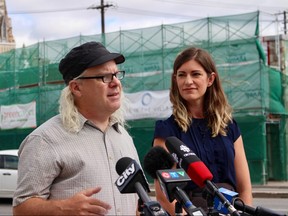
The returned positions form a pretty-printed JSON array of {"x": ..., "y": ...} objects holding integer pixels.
[{"x": 276, "y": 204}]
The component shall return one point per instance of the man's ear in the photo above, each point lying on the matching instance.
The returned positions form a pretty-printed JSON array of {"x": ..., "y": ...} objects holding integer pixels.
[
  {"x": 75, "y": 88},
  {"x": 211, "y": 78}
]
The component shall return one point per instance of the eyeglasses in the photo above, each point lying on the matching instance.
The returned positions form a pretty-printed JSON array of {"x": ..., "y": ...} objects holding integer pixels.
[{"x": 107, "y": 78}]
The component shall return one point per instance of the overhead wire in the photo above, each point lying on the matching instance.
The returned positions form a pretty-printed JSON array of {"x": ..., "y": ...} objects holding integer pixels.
[
  {"x": 205, "y": 3},
  {"x": 118, "y": 9},
  {"x": 226, "y": 4}
]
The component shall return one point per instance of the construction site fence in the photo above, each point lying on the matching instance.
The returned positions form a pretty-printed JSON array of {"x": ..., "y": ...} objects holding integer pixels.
[{"x": 256, "y": 91}]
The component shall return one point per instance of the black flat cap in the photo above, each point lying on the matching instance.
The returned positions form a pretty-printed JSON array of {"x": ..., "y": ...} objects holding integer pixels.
[{"x": 85, "y": 56}]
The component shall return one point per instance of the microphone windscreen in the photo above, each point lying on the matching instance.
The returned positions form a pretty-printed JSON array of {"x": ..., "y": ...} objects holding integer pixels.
[
  {"x": 157, "y": 159},
  {"x": 122, "y": 164},
  {"x": 199, "y": 173},
  {"x": 130, "y": 173}
]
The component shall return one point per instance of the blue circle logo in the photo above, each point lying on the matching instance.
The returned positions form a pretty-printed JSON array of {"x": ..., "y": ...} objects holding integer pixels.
[{"x": 146, "y": 99}]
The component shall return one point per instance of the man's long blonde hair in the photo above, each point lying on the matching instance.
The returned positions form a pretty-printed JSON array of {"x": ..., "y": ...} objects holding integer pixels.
[
  {"x": 70, "y": 115},
  {"x": 217, "y": 110}
]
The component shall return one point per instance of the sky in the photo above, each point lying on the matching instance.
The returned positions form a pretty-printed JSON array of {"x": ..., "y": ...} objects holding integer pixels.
[{"x": 44, "y": 20}]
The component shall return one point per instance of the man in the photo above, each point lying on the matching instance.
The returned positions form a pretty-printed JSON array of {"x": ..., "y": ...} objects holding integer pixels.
[{"x": 67, "y": 165}]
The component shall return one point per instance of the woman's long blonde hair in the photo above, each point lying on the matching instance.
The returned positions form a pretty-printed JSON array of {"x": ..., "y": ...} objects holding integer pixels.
[
  {"x": 217, "y": 110},
  {"x": 70, "y": 115}
]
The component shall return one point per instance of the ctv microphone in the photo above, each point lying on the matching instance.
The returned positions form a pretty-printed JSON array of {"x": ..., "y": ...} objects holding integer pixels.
[
  {"x": 172, "y": 181},
  {"x": 196, "y": 170},
  {"x": 158, "y": 163},
  {"x": 133, "y": 180}
]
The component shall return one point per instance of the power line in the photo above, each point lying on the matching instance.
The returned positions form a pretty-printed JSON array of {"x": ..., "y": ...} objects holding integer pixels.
[
  {"x": 224, "y": 4},
  {"x": 117, "y": 10},
  {"x": 146, "y": 12},
  {"x": 152, "y": 13},
  {"x": 47, "y": 11}
]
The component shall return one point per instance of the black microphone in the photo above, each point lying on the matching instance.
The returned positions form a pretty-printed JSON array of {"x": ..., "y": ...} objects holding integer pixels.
[
  {"x": 258, "y": 211},
  {"x": 196, "y": 170},
  {"x": 232, "y": 196},
  {"x": 133, "y": 180},
  {"x": 158, "y": 163},
  {"x": 130, "y": 173},
  {"x": 157, "y": 158}
]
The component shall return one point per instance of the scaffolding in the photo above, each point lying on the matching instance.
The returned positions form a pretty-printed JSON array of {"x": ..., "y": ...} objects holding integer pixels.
[{"x": 255, "y": 90}]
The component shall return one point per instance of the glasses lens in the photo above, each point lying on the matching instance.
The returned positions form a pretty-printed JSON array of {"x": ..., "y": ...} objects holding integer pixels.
[
  {"x": 109, "y": 77},
  {"x": 120, "y": 75}
]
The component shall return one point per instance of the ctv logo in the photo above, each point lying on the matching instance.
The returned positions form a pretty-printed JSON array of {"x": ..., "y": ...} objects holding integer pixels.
[
  {"x": 165, "y": 175},
  {"x": 172, "y": 175},
  {"x": 125, "y": 175}
]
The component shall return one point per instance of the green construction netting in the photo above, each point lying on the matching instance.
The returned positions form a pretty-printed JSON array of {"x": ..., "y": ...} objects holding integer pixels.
[{"x": 253, "y": 89}]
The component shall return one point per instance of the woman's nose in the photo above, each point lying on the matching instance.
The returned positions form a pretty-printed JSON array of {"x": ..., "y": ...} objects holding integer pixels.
[{"x": 189, "y": 79}]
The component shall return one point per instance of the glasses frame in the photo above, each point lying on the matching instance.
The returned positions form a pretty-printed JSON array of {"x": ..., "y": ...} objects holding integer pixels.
[{"x": 107, "y": 78}]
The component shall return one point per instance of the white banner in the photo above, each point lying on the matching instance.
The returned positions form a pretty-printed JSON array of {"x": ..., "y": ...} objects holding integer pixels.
[
  {"x": 18, "y": 116},
  {"x": 148, "y": 104}
]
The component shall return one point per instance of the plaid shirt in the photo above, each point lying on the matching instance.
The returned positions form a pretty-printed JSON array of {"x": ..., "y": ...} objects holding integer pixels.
[{"x": 56, "y": 164}]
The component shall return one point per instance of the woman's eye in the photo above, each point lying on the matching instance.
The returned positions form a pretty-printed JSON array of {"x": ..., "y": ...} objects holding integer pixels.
[
  {"x": 181, "y": 75},
  {"x": 196, "y": 74}
]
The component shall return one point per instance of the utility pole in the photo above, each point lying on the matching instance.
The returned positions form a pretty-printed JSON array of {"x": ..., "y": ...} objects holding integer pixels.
[
  {"x": 102, "y": 8},
  {"x": 285, "y": 23}
]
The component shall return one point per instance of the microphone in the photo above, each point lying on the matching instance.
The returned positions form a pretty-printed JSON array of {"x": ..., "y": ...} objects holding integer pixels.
[
  {"x": 157, "y": 158},
  {"x": 130, "y": 173},
  {"x": 131, "y": 180},
  {"x": 172, "y": 182},
  {"x": 158, "y": 163},
  {"x": 232, "y": 196},
  {"x": 229, "y": 195},
  {"x": 196, "y": 170}
]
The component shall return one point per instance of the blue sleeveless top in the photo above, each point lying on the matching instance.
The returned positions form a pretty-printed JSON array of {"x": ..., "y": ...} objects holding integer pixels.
[{"x": 216, "y": 152}]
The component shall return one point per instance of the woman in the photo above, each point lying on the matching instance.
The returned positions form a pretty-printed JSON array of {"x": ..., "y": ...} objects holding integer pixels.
[{"x": 202, "y": 119}]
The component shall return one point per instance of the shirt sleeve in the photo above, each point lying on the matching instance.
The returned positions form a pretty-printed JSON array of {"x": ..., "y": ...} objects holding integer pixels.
[
  {"x": 234, "y": 131},
  {"x": 162, "y": 129},
  {"x": 38, "y": 167}
]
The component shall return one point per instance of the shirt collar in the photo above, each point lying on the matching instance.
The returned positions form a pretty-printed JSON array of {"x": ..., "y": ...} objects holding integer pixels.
[{"x": 112, "y": 123}]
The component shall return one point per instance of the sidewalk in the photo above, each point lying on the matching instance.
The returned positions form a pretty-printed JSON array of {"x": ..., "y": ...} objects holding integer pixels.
[
  {"x": 270, "y": 190},
  {"x": 273, "y": 189}
]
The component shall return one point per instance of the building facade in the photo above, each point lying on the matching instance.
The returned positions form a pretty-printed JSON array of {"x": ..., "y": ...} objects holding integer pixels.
[{"x": 7, "y": 41}]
